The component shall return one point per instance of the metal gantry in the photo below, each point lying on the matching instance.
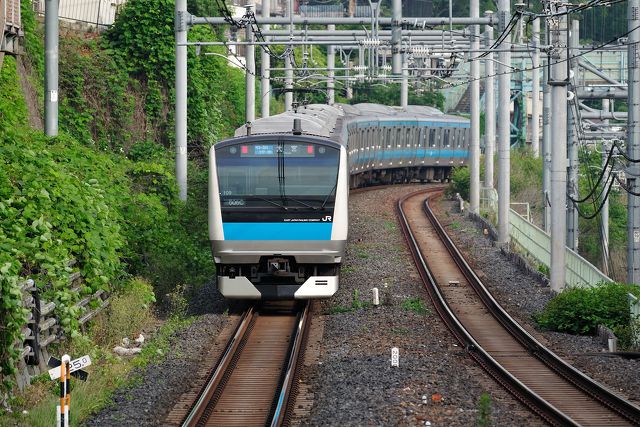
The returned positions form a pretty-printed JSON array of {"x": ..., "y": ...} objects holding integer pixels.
[{"x": 414, "y": 50}]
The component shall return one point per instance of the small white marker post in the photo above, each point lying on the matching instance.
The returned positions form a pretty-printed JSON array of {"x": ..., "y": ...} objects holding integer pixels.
[
  {"x": 395, "y": 357},
  {"x": 376, "y": 297},
  {"x": 63, "y": 373}
]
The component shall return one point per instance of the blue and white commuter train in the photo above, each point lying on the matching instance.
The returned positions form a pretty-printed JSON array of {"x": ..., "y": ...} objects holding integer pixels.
[{"x": 278, "y": 198}]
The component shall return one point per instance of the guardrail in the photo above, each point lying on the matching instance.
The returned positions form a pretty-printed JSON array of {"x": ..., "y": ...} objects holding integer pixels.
[
  {"x": 42, "y": 328},
  {"x": 537, "y": 243}
]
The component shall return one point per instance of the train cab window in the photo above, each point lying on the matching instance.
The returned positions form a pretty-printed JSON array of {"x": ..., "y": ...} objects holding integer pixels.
[
  {"x": 269, "y": 174},
  {"x": 445, "y": 139},
  {"x": 460, "y": 137}
]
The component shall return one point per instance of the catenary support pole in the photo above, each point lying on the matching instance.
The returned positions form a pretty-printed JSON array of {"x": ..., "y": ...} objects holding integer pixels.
[
  {"x": 504, "y": 125},
  {"x": 535, "y": 90},
  {"x": 265, "y": 64},
  {"x": 331, "y": 63},
  {"x": 181, "y": 29},
  {"x": 604, "y": 213},
  {"x": 250, "y": 77},
  {"x": 288, "y": 65},
  {"x": 404, "y": 86},
  {"x": 489, "y": 110},
  {"x": 558, "y": 80},
  {"x": 633, "y": 144},
  {"x": 51, "y": 67},
  {"x": 546, "y": 138},
  {"x": 572, "y": 143},
  {"x": 396, "y": 37},
  {"x": 474, "y": 146}
]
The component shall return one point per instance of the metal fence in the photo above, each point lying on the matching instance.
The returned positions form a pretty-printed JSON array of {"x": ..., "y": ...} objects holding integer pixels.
[
  {"x": 322, "y": 11},
  {"x": 98, "y": 13}
]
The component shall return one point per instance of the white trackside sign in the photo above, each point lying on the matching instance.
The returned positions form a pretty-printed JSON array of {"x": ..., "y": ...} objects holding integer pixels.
[{"x": 74, "y": 365}]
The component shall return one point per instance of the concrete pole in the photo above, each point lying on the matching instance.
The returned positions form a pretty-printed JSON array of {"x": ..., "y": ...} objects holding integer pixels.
[
  {"x": 572, "y": 145},
  {"x": 396, "y": 37},
  {"x": 404, "y": 86},
  {"x": 535, "y": 90},
  {"x": 51, "y": 68},
  {"x": 489, "y": 110},
  {"x": 181, "y": 30},
  {"x": 546, "y": 138},
  {"x": 504, "y": 125},
  {"x": 250, "y": 77},
  {"x": 265, "y": 64},
  {"x": 331, "y": 64},
  {"x": 288, "y": 65},
  {"x": 559, "y": 81},
  {"x": 633, "y": 144},
  {"x": 604, "y": 219},
  {"x": 474, "y": 146}
]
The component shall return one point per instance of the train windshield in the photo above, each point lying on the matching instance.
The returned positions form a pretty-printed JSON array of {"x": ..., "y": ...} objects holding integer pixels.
[{"x": 277, "y": 174}]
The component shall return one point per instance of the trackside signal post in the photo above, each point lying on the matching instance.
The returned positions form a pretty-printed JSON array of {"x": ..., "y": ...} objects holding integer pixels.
[
  {"x": 62, "y": 370},
  {"x": 633, "y": 144}
]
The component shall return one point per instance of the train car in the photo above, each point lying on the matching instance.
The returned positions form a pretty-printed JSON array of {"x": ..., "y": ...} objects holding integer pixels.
[
  {"x": 278, "y": 191},
  {"x": 278, "y": 209}
]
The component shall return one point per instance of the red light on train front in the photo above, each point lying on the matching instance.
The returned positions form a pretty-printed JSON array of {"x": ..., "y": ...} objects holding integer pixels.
[
  {"x": 244, "y": 149},
  {"x": 310, "y": 149}
]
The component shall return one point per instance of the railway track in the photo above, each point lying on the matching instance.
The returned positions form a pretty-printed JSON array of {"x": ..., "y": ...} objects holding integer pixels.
[
  {"x": 253, "y": 382},
  {"x": 556, "y": 391}
]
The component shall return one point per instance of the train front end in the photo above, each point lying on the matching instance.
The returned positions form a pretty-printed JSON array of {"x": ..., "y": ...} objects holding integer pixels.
[{"x": 278, "y": 216}]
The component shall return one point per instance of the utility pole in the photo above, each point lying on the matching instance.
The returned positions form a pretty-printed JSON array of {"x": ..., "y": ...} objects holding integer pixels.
[
  {"x": 331, "y": 64},
  {"x": 490, "y": 108},
  {"x": 51, "y": 68},
  {"x": 474, "y": 146},
  {"x": 181, "y": 29},
  {"x": 572, "y": 143},
  {"x": 535, "y": 89},
  {"x": 265, "y": 64},
  {"x": 504, "y": 125},
  {"x": 250, "y": 76},
  {"x": 558, "y": 80},
  {"x": 633, "y": 144}
]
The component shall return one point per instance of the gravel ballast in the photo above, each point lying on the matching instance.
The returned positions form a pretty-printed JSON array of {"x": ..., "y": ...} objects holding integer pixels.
[{"x": 353, "y": 381}]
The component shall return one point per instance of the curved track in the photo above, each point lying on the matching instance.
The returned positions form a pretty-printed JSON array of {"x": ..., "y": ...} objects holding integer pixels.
[
  {"x": 559, "y": 393},
  {"x": 252, "y": 382}
]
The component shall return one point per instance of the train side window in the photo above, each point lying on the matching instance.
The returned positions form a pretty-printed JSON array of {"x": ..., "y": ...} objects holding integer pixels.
[
  {"x": 445, "y": 139},
  {"x": 432, "y": 138},
  {"x": 399, "y": 137},
  {"x": 453, "y": 137},
  {"x": 460, "y": 137}
]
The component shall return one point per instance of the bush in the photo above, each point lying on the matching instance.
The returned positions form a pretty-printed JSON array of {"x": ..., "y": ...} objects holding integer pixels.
[
  {"x": 461, "y": 182},
  {"x": 580, "y": 310}
]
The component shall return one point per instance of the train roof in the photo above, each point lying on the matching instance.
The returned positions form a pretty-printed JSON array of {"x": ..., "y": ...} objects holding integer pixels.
[
  {"x": 316, "y": 119},
  {"x": 327, "y": 120}
]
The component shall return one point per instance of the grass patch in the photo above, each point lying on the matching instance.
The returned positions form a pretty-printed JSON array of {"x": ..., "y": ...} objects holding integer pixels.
[
  {"x": 399, "y": 331},
  {"x": 128, "y": 314},
  {"x": 389, "y": 225},
  {"x": 484, "y": 410},
  {"x": 362, "y": 254},
  {"x": 357, "y": 303},
  {"x": 416, "y": 305},
  {"x": 337, "y": 309},
  {"x": 347, "y": 269},
  {"x": 455, "y": 225}
]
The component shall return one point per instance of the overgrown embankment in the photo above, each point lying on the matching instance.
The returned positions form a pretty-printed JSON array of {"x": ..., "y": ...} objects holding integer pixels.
[{"x": 103, "y": 193}]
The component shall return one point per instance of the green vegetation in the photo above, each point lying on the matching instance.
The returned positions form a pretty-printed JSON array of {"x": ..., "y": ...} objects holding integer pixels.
[
  {"x": 103, "y": 192},
  {"x": 357, "y": 303},
  {"x": 416, "y": 305},
  {"x": 580, "y": 310},
  {"x": 484, "y": 410},
  {"x": 390, "y": 95}
]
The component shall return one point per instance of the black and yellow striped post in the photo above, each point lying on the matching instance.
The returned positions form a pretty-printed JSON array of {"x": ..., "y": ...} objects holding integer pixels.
[
  {"x": 67, "y": 388},
  {"x": 63, "y": 392}
]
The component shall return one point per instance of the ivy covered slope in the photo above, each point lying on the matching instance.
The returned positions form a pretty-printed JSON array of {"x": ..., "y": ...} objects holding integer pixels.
[{"x": 103, "y": 193}]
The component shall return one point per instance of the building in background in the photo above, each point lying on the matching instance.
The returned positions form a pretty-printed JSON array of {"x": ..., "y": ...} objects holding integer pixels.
[
  {"x": 11, "y": 27},
  {"x": 93, "y": 13}
]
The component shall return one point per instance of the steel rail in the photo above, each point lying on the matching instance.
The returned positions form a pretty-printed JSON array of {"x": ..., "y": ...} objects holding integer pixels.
[
  {"x": 537, "y": 403},
  {"x": 597, "y": 391},
  {"x": 284, "y": 393}
]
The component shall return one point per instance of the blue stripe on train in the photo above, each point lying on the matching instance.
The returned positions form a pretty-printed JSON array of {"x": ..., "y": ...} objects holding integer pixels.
[{"x": 277, "y": 230}]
